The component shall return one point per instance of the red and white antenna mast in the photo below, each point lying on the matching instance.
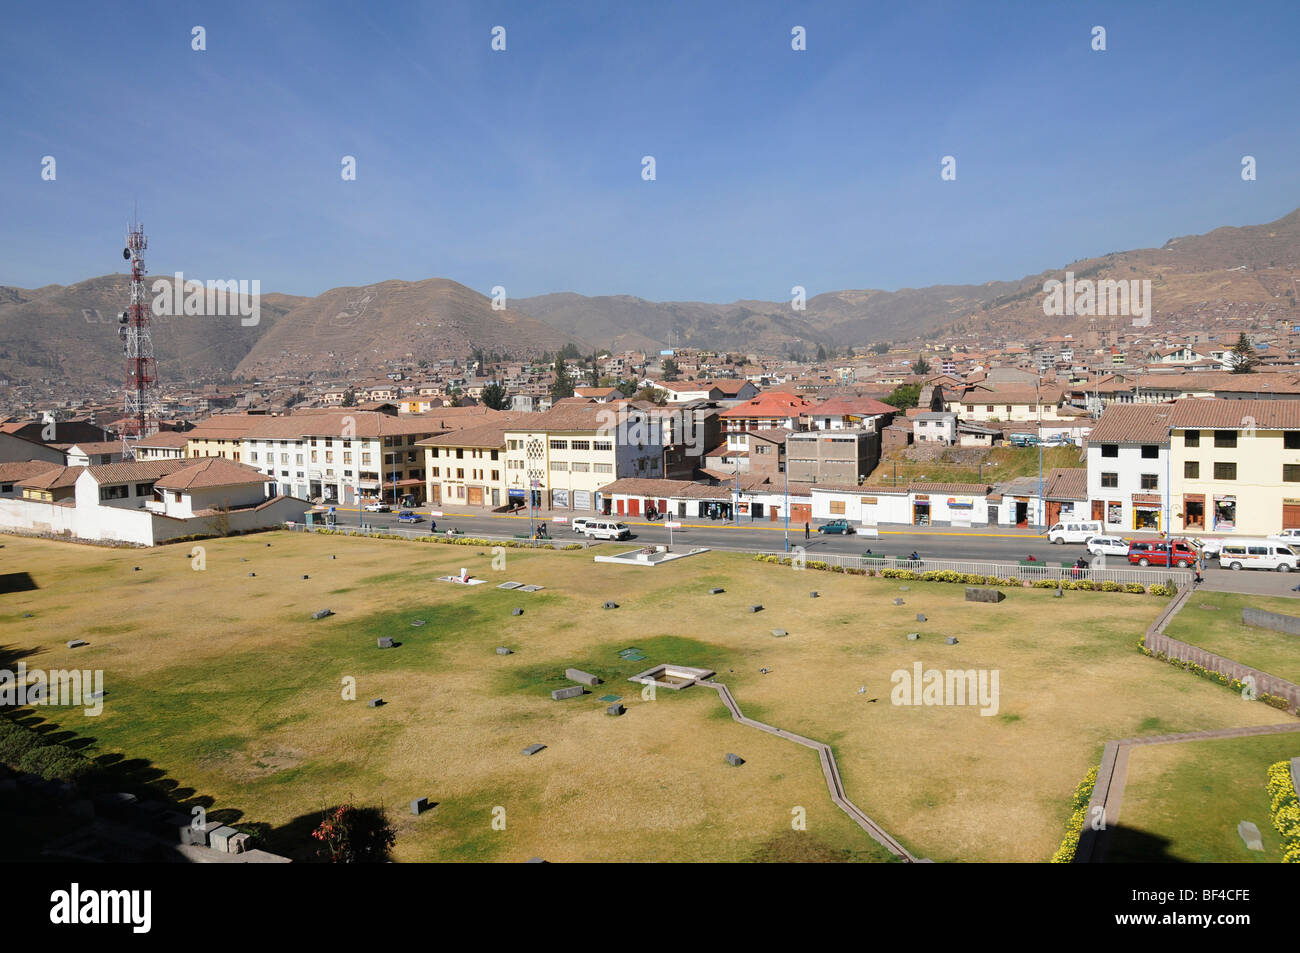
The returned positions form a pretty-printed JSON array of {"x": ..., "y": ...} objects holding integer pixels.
[{"x": 141, "y": 399}]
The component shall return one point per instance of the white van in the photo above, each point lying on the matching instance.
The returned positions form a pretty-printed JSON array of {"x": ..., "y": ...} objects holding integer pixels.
[
  {"x": 1257, "y": 554},
  {"x": 606, "y": 529},
  {"x": 1074, "y": 531}
]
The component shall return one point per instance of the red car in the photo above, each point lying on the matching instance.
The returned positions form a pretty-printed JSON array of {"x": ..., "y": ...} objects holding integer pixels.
[{"x": 1176, "y": 552}]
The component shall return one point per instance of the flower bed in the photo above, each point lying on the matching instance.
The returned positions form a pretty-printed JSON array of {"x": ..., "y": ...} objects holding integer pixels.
[
  {"x": 1285, "y": 810},
  {"x": 1074, "y": 826}
]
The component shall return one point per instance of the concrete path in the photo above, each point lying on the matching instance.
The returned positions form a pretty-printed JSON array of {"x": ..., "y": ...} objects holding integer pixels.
[{"x": 830, "y": 770}]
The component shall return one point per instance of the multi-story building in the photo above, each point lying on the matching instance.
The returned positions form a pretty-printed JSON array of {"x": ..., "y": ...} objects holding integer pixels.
[
  {"x": 1129, "y": 467},
  {"x": 1236, "y": 465},
  {"x": 467, "y": 467},
  {"x": 840, "y": 456},
  {"x": 767, "y": 411},
  {"x": 562, "y": 457},
  {"x": 221, "y": 435},
  {"x": 932, "y": 427}
]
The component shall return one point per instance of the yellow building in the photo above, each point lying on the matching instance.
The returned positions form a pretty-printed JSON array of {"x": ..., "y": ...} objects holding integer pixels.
[
  {"x": 221, "y": 435},
  {"x": 1235, "y": 466},
  {"x": 466, "y": 467}
]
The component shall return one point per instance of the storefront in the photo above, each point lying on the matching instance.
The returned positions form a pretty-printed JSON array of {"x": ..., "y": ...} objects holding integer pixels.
[
  {"x": 1225, "y": 513},
  {"x": 1146, "y": 512},
  {"x": 1194, "y": 511}
]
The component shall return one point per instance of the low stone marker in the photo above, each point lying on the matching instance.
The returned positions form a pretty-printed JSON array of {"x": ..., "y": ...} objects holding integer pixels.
[
  {"x": 77, "y": 643},
  {"x": 755, "y": 608},
  {"x": 615, "y": 709},
  {"x": 534, "y": 860},
  {"x": 904, "y": 588},
  {"x": 385, "y": 642},
  {"x": 502, "y": 650},
  {"x": 920, "y": 617},
  {"x": 516, "y": 611},
  {"x": 305, "y": 576},
  {"x": 573, "y": 691},
  {"x": 137, "y": 569},
  {"x": 333, "y": 557},
  {"x": 533, "y": 749},
  {"x": 220, "y": 838},
  {"x": 950, "y": 640},
  {"x": 419, "y": 806},
  {"x": 913, "y": 636},
  {"x": 237, "y": 844},
  {"x": 716, "y": 591},
  {"x": 1058, "y": 593},
  {"x": 779, "y": 633},
  {"x": 974, "y": 594},
  {"x": 376, "y": 702},
  {"x": 417, "y": 622},
  {"x": 578, "y": 675},
  {"x": 898, "y": 602},
  {"x": 322, "y": 613},
  {"x": 1250, "y": 834},
  {"x": 611, "y": 605},
  {"x": 735, "y": 760},
  {"x": 252, "y": 574},
  {"x": 814, "y": 594}
]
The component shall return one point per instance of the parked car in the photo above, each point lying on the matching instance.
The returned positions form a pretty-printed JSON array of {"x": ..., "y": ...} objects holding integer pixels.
[
  {"x": 1107, "y": 545},
  {"x": 579, "y": 525},
  {"x": 606, "y": 529},
  {"x": 1257, "y": 554},
  {"x": 378, "y": 506},
  {"x": 406, "y": 516},
  {"x": 1074, "y": 531},
  {"x": 1288, "y": 537},
  {"x": 1177, "y": 552},
  {"x": 841, "y": 527}
]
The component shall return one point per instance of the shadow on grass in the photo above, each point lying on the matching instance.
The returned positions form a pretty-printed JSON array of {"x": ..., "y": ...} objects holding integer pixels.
[
  {"x": 16, "y": 582},
  {"x": 1128, "y": 845}
]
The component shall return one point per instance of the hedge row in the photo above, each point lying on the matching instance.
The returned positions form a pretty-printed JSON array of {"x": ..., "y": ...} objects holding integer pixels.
[
  {"x": 975, "y": 579},
  {"x": 1274, "y": 701},
  {"x": 1285, "y": 808},
  {"x": 1078, "y": 815},
  {"x": 453, "y": 541},
  {"x": 25, "y": 750}
]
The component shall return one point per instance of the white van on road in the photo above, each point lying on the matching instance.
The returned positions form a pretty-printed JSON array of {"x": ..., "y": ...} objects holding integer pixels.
[
  {"x": 1257, "y": 554},
  {"x": 606, "y": 529},
  {"x": 1074, "y": 531}
]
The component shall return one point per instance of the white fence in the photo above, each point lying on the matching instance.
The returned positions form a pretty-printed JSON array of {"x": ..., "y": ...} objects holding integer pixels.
[
  {"x": 416, "y": 532},
  {"x": 1097, "y": 570}
]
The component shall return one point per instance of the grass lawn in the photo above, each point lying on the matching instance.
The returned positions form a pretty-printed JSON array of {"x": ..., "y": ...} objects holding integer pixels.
[
  {"x": 223, "y": 688},
  {"x": 1219, "y": 630},
  {"x": 1000, "y": 463},
  {"x": 1183, "y": 801}
]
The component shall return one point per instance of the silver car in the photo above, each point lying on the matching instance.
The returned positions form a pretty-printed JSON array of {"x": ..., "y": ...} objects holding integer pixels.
[{"x": 1107, "y": 545}]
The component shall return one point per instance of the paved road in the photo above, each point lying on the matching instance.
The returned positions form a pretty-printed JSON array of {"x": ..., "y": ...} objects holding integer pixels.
[{"x": 933, "y": 543}]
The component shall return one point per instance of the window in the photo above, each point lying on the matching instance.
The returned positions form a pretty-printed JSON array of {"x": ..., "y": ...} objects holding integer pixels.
[
  {"x": 1110, "y": 450},
  {"x": 253, "y": 456},
  {"x": 837, "y": 507},
  {"x": 988, "y": 408},
  {"x": 460, "y": 473},
  {"x": 1225, "y": 438},
  {"x": 1291, "y": 440},
  {"x": 1191, "y": 470},
  {"x": 559, "y": 445},
  {"x": 581, "y": 467},
  {"x": 494, "y": 454},
  {"x": 603, "y": 467},
  {"x": 496, "y": 475},
  {"x": 1150, "y": 451},
  {"x": 559, "y": 466},
  {"x": 1191, "y": 438},
  {"x": 1225, "y": 471},
  {"x": 112, "y": 492},
  {"x": 1110, "y": 480},
  {"x": 1150, "y": 481},
  {"x": 144, "y": 489},
  {"x": 298, "y": 458},
  {"x": 1291, "y": 473},
  {"x": 580, "y": 445}
]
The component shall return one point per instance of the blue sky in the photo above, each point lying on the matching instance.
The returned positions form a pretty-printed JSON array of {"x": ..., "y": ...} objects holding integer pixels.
[{"x": 523, "y": 168}]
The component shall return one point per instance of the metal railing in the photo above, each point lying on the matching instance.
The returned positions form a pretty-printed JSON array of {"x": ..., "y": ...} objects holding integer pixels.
[
  {"x": 1097, "y": 571},
  {"x": 375, "y": 532}
]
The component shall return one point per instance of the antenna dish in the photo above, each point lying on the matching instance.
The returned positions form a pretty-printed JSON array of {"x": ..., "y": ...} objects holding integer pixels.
[{"x": 126, "y": 253}]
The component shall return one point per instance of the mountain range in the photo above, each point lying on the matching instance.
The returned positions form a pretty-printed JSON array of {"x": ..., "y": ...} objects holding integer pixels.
[{"x": 69, "y": 332}]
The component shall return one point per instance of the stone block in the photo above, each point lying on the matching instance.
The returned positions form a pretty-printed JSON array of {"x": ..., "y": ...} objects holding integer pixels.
[
  {"x": 611, "y": 605},
  {"x": 237, "y": 844},
  {"x": 735, "y": 760},
  {"x": 376, "y": 702},
  {"x": 976, "y": 594},
  {"x": 220, "y": 838},
  {"x": 950, "y": 640},
  {"x": 615, "y": 709},
  {"x": 1249, "y": 833},
  {"x": 716, "y": 590},
  {"x": 533, "y": 749},
  {"x": 578, "y": 675},
  {"x": 77, "y": 643},
  {"x": 913, "y": 636},
  {"x": 755, "y": 608},
  {"x": 419, "y": 806},
  {"x": 573, "y": 691},
  {"x": 516, "y": 611},
  {"x": 898, "y": 602},
  {"x": 322, "y": 613},
  {"x": 385, "y": 642},
  {"x": 502, "y": 650},
  {"x": 920, "y": 617},
  {"x": 779, "y": 633}
]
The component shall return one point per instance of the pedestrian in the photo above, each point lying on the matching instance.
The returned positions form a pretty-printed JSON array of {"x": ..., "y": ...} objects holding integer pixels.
[
  {"x": 433, "y": 526},
  {"x": 807, "y": 531}
]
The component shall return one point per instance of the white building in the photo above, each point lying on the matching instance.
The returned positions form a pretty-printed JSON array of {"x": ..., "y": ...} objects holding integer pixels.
[{"x": 1128, "y": 467}]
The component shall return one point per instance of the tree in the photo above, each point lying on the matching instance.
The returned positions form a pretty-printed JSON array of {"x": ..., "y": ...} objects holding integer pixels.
[
  {"x": 1243, "y": 359},
  {"x": 495, "y": 396},
  {"x": 653, "y": 394},
  {"x": 905, "y": 396},
  {"x": 349, "y": 397},
  {"x": 821, "y": 353},
  {"x": 562, "y": 386},
  {"x": 671, "y": 370},
  {"x": 922, "y": 366},
  {"x": 880, "y": 347}
]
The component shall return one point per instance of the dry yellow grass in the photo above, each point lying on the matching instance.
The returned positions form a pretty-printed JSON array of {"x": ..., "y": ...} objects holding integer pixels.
[{"x": 223, "y": 682}]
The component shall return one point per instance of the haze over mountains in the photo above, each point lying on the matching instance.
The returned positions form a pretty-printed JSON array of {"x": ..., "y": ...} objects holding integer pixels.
[{"x": 69, "y": 333}]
